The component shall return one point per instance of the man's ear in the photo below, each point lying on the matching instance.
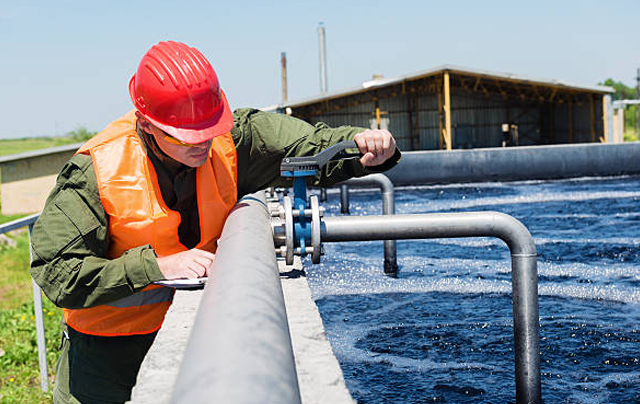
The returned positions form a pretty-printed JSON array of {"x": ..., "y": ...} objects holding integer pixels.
[{"x": 142, "y": 121}]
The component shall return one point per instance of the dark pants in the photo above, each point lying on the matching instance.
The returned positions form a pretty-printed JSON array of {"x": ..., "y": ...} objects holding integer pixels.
[{"x": 98, "y": 370}]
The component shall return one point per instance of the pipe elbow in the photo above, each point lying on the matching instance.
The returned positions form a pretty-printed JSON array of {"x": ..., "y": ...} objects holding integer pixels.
[{"x": 514, "y": 233}]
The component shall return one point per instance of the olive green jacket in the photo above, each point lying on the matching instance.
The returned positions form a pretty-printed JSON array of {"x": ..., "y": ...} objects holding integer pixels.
[{"x": 70, "y": 239}]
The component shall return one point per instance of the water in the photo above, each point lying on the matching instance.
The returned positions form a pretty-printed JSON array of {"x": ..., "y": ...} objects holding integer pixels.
[{"x": 442, "y": 332}]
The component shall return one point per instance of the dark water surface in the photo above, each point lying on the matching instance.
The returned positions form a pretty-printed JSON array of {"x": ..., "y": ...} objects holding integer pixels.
[{"x": 442, "y": 332}]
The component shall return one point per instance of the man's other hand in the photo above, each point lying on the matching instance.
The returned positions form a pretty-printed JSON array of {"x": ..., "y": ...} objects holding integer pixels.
[
  {"x": 377, "y": 145},
  {"x": 189, "y": 264}
]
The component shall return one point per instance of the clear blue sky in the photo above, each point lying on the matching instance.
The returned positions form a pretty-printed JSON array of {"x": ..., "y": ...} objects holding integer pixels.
[{"x": 66, "y": 64}]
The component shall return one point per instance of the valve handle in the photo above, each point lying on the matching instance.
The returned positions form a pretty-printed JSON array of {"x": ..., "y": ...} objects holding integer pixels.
[{"x": 309, "y": 165}]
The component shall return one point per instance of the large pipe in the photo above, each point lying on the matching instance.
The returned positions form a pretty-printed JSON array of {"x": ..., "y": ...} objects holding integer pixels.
[
  {"x": 516, "y": 163},
  {"x": 524, "y": 272},
  {"x": 240, "y": 349},
  {"x": 388, "y": 208}
]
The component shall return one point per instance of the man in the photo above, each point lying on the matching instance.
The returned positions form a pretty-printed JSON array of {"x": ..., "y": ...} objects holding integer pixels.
[{"x": 146, "y": 199}]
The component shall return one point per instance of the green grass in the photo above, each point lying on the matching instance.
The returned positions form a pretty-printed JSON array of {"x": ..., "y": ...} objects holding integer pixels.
[
  {"x": 19, "y": 369},
  {"x": 15, "y": 146}
]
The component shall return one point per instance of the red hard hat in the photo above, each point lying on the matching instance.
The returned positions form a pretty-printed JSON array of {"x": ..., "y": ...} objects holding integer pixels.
[{"x": 177, "y": 90}]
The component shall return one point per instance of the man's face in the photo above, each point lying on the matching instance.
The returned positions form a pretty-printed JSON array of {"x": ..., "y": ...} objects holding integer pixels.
[{"x": 190, "y": 155}]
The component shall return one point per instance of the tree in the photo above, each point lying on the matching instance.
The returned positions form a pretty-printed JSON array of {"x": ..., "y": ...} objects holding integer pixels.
[
  {"x": 623, "y": 92},
  {"x": 81, "y": 134}
]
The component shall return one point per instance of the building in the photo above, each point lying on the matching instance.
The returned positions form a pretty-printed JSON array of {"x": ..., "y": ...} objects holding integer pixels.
[{"x": 456, "y": 108}]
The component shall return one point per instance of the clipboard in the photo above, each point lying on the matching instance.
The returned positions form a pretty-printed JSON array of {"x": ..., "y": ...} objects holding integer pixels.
[{"x": 186, "y": 284}]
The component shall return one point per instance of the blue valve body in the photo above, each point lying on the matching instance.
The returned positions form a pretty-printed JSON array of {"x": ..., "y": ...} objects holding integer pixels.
[{"x": 301, "y": 226}]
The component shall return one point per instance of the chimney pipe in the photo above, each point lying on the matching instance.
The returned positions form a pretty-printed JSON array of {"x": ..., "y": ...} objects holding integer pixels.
[{"x": 323, "y": 59}]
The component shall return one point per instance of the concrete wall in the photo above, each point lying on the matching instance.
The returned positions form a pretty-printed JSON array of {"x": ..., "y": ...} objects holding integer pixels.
[
  {"x": 27, "y": 178},
  {"x": 517, "y": 163}
]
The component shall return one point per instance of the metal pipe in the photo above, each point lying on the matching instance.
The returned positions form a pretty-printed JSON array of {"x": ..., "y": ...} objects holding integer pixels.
[
  {"x": 240, "y": 349},
  {"x": 19, "y": 223},
  {"x": 344, "y": 199},
  {"x": 388, "y": 208},
  {"x": 526, "y": 326},
  {"x": 505, "y": 164}
]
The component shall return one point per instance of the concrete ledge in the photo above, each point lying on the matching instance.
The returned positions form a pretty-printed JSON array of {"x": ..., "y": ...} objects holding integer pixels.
[
  {"x": 160, "y": 367},
  {"x": 319, "y": 374}
]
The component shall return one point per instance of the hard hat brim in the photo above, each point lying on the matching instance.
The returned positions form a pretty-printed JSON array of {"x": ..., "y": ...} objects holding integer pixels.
[{"x": 219, "y": 124}]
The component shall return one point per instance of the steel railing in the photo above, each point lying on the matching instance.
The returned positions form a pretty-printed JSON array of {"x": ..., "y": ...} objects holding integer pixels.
[{"x": 28, "y": 221}]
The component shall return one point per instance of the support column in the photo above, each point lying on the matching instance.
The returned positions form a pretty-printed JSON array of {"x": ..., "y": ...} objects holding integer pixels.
[
  {"x": 440, "y": 128},
  {"x": 447, "y": 111},
  {"x": 593, "y": 119},
  {"x": 570, "y": 120},
  {"x": 607, "y": 118}
]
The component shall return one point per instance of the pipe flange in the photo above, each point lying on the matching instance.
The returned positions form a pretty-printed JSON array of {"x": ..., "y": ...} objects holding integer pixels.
[
  {"x": 288, "y": 227},
  {"x": 315, "y": 229}
]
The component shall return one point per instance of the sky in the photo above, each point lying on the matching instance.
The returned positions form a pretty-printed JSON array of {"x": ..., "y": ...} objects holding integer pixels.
[{"x": 67, "y": 64}]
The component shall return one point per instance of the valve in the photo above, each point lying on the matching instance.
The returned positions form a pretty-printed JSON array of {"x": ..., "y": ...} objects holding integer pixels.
[{"x": 297, "y": 225}]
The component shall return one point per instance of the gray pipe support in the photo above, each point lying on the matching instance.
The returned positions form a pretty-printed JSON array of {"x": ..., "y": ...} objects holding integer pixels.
[
  {"x": 240, "y": 349},
  {"x": 344, "y": 199},
  {"x": 473, "y": 224},
  {"x": 388, "y": 208}
]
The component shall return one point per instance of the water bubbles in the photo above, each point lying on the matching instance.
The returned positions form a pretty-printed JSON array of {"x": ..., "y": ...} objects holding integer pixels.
[{"x": 442, "y": 331}]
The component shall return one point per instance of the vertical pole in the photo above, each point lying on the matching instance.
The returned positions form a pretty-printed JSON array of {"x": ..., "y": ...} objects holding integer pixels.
[
  {"x": 637, "y": 106},
  {"x": 440, "y": 127},
  {"x": 605, "y": 118},
  {"x": 410, "y": 99},
  {"x": 416, "y": 105},
  {"x": 323, "y": 195},
  {"x": 344, "y": 199},
  {"x": 37, "y": 308},
  {"x": 447, "y": 111},
  {"x": 593, "y": 119},
  {"x": 552, "y": 123},
  {"x": 323, "y": 59},
  {"x": 283, "y": 63},
  {"x": 570, "y": 120},
  {"x": 377, "y": 114}
]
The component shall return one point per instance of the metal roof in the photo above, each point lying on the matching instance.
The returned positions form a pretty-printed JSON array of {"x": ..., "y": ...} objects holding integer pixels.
[{"x": 383, "y": 82}]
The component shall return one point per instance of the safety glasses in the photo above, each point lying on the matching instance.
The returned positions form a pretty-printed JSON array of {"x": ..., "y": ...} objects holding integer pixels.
[{"x": 173, "y": 140}]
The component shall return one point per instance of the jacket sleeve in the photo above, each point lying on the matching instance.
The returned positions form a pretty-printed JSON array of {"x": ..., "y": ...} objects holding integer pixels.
[
  {"x": 263, "y": 139},
  {"x": 70, "y": 241}
]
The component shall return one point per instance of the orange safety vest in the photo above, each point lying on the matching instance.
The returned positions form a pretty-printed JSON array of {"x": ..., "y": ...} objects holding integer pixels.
[{"x": 130, "y": 194}]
